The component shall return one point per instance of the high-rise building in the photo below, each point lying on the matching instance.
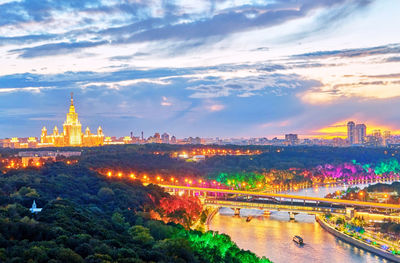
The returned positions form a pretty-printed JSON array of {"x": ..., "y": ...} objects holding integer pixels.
[
  {"x": 351, "y": 132},
  {"x": 377, "y": 133},
  {"x": 165, "y": 138},
  {"x": 173, "y": 139},
  {"x": 386, "y": 137},
  {"x": 291, "y": 139},
  {"x": 360, "y": 133},
  {"x": 377, "y": 137}
]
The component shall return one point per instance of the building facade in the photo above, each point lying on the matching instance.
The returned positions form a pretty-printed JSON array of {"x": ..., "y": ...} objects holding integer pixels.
[
  {"x": 72, "y": 134},
  {"x": 291, "y": 139},
  {"x": 351, "y": 132},
  {"x": 360, "y": 133}
]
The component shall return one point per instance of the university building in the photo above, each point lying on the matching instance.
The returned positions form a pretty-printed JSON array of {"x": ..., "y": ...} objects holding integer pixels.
[{"x": 72, "y": 134}]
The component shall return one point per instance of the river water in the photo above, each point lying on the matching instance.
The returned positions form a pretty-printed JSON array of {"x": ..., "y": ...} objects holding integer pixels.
[{"x": 271, "y": 236}]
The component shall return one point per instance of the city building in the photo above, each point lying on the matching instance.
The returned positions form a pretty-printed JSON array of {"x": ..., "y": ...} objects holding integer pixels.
[
  {"x": 32, "y": 157},
  {"x": 291, "y": 139},
  {"x": 360, "y": 133},
  {"x": 72, "y": 133},
  {"x": 156, "y": 138},
  {"x": 165, "y": 138},
  {"x": 173, "y": 139},
  {"x": 351, "y": 132},
  {"x": 386, "y": 138}
]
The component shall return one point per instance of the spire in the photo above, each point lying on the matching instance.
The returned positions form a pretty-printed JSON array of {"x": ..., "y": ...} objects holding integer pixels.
[{"x": 72, "y": 107}]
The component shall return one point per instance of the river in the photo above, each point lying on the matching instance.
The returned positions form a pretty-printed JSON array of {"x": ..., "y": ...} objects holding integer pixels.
[{"x": 271, "y": 236}]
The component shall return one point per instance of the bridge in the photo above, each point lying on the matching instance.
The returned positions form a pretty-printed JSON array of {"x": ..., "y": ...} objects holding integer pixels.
[
  {"x": 292, "y": 207},
  {"x": 237, "y": 199}
]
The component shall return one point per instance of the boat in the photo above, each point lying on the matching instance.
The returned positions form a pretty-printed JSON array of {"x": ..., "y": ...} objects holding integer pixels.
[
  {"x": 298, "y": 240},
  {"x": 248, "y": 219}
]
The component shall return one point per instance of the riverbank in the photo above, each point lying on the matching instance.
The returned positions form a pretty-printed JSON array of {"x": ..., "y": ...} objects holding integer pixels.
[
  {"x": 210, "y": 217},
  {"x": 356, "y": 242}
]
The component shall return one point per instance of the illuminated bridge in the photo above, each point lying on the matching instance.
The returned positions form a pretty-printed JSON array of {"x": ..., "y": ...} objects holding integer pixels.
[
  {"x": 280, "y": 202},
  {"x": 271, "y": 205}
]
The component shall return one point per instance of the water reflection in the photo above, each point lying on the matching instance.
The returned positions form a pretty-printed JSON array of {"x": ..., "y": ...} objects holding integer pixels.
[{"x": 272, "y": 236}]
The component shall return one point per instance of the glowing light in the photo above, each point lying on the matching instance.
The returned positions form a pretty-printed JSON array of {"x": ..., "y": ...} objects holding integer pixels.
[
  {"x": 119, "y": 174},
  {"x": 109, "y": 174}
]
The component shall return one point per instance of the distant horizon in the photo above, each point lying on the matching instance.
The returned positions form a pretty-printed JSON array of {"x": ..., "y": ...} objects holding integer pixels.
[{"x": 338, "y": 130}]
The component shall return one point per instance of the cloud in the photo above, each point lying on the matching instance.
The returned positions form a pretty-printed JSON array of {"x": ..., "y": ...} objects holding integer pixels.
[
  {"x": 55, "y": 49},
  {"x": 356, "y": 52},
  {"x": 165, "y": 102},
  {"x": 393, "y": 59},
  {"x": 129, "y": 57},
  {"x": 215, "y": 107},
  {"x": 275, "y": 84},
  {"x": 24, "y": 89},
  {"x": 220, "y": 66},
  {"x": 240, "y": 19}
]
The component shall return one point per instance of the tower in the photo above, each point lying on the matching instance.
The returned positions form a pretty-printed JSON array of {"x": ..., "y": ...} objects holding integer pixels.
[
  {"x": 360, "y": 133},
  {"x": 350, "y": 132},
  {"x": 72, "y": 127},
  {"x": 43, "y": 136}
]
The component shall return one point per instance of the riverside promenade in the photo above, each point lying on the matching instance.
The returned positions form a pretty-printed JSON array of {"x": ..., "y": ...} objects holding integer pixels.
[{"x": 356, "y": 242}]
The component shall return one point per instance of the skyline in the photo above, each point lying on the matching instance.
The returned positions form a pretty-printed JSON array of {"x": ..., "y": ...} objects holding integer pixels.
[
  {"x": 209, "y": 69},
  {"x": 339, "y": 130}
]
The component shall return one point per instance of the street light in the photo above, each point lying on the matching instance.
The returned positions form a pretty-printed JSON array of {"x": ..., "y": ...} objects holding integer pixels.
[
  {"x": 386, "y": 197},
  {"x": 361, "y": 195}
]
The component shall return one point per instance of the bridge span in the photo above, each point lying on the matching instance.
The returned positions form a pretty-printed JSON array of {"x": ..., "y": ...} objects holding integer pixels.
[
  {"x": 283, "y": 206},
  {"x": 318, "y": 201}
]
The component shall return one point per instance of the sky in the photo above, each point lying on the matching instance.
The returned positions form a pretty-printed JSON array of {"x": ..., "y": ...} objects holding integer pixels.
[{"x": 217, "y": 68}]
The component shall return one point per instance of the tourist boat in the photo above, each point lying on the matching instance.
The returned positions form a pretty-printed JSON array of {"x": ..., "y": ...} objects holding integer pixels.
[
  {"x": 248, "y": 219},
  {"x": 298, "y": 240}
]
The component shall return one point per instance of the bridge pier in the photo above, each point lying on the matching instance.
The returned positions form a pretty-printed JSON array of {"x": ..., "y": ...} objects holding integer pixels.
[
  {"x": 349, "y": 212},
  {"x": 291, "y": 215},
  {"x": 267, "y": 213},
  {"x": 237, "y": 211}
]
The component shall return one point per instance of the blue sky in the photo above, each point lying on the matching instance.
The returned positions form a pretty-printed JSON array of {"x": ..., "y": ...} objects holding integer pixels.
[{"x": 200, "y": 68}]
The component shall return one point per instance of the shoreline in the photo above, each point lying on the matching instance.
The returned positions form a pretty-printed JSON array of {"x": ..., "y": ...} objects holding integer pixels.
[
  {"x": 357, "y": 243},
  {"x": 210, "y": 217}
]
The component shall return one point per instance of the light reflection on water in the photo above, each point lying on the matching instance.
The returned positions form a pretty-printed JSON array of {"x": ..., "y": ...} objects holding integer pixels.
[{"x": 271, "y": 236}]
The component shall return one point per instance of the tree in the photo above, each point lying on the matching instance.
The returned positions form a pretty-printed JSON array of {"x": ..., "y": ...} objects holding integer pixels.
[
  {"x": 105, "y": 193},
  {"x": 141, "y": 234}
]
